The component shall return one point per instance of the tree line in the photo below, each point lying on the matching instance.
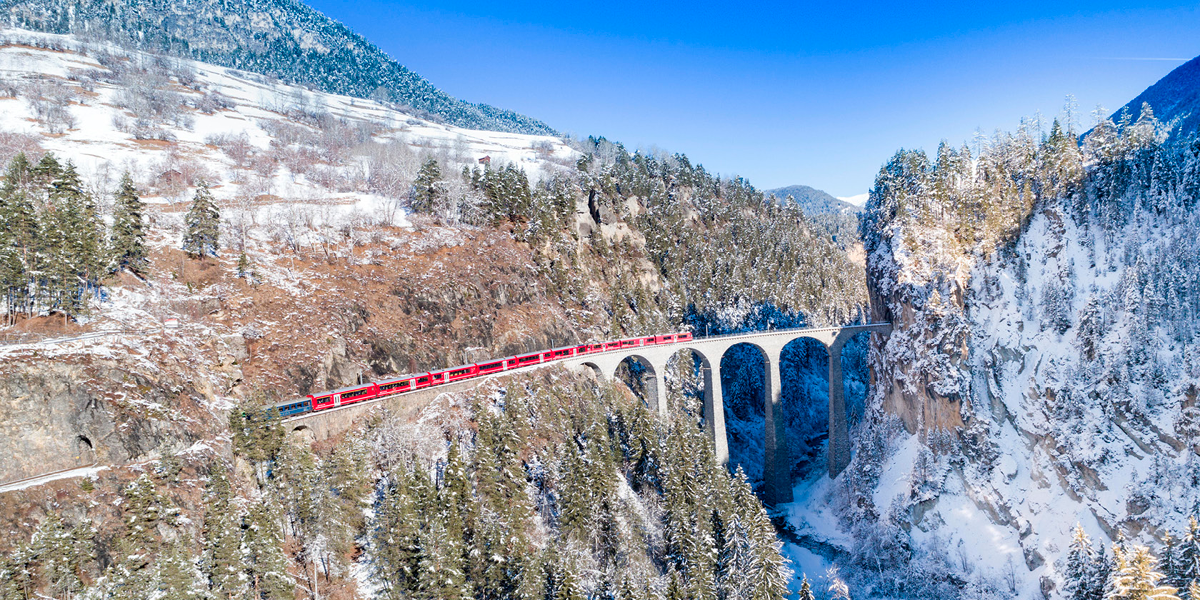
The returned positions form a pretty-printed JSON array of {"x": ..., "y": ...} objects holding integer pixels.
[{"x": 56, "y": 249}]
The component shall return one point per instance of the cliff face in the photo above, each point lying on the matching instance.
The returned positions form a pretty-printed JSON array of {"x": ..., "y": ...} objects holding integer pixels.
[
  {"x": 922, "y": 376},
  {"x": 107, "y": 407},
  {"x": 1044, "y": 360}
]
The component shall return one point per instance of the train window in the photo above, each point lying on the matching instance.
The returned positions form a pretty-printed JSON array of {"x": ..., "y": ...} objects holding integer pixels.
[
  {"x": 495, "y": 365},
  {"x": 423, "y": 380},
  {"x": 460, "y": 372}
]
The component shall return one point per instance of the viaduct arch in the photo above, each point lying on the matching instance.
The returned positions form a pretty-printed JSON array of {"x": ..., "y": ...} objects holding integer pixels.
[{"x": 777, "y": 484}]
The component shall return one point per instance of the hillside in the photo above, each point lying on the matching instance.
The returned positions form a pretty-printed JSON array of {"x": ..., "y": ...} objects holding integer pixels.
[
  {"x": 281, "y": 39},
  {"x": 813, "y": 201},
  {"x": 1174, "y": 99},
  {"x": 357, "y": 241}
]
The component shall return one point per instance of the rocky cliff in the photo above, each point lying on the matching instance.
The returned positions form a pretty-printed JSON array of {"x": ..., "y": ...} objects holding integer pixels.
[{"x": 1044, "y": 360}]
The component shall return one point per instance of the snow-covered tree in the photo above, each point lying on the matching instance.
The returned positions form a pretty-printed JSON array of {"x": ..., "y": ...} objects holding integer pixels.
[
  {"x": 1137, "y": 576},
  {"x": 203, "y": 221},
  {"x": 127, "y": 242}
]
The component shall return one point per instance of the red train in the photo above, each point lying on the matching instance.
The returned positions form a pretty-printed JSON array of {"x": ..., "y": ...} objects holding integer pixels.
[{"x": 388, "y": 387}]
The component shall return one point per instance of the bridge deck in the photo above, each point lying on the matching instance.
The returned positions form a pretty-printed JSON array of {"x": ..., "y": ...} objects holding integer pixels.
[{"x": 729, "y": 337}]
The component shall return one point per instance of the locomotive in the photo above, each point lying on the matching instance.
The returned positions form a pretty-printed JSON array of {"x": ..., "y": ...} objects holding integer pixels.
[{"x": 387, "y": 387}]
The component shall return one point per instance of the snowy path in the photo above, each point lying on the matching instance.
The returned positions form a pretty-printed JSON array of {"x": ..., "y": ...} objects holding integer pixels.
[{"x": 21, "y": 484}]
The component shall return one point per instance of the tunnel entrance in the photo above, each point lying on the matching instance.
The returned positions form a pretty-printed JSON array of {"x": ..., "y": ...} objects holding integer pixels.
[{"x": 85, "y": 453}]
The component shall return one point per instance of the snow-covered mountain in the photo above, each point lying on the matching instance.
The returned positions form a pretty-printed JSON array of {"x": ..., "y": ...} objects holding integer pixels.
[
  {"x": 172, "y": 122},
  {"x": 814, "y": 201},
  {"x": 282, "y": 39},
  {"x": 1175, "y": 97},
  {"x": 1043, "y": 369}
]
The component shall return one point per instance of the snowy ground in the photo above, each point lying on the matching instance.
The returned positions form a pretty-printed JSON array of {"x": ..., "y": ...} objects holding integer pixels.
[
  {"x": 101, "y": 150},
  {"x": 68, "y": 474}
]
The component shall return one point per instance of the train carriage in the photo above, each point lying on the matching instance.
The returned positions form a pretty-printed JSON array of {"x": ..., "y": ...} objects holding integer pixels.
[
  {"x": 489, "y": 368},
  {"x": 294, "y": 407},
  {"x": 463, "y": 372},
  {"x": 387, "y": 387}
]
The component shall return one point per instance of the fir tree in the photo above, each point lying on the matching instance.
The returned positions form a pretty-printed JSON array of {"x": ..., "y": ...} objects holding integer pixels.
[
  {"x": 266, "y": 564},
  {"x": 203, "y": 222},
  {"x": 1137, "y": 577},
  {"x": 128, "y": 239},
  {"x": 806, "y": 592},
  {"x": 427, "y": 187},
  {"x": 223, "y": 537}
]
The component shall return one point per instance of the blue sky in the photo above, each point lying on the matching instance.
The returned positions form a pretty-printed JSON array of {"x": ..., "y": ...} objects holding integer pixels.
[{"x": 815, "y": 94}]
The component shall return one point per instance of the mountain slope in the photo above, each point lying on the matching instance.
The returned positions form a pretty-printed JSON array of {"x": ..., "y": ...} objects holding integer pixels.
[
  {"x": 813, "y": 201},
  {"x": 278, "y": 38},
  {"x": 1176, "y": 96}
]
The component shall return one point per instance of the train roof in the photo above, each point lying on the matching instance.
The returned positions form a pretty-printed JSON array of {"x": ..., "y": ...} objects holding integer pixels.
[{"x": 345, "y": 389}]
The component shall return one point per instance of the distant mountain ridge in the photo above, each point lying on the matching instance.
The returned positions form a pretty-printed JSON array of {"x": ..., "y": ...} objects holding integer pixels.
[
  {"x": 1175, "y": 96},
  {"x": 813, "y": 201},
  {"x": 286, "y": 39}
]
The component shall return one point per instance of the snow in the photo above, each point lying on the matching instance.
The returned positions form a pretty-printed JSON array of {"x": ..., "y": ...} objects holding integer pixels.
[
  {"x": 44, "y": 479},
  {"x": 856, "y": 200},
  {"x": 100, "y": 149}
]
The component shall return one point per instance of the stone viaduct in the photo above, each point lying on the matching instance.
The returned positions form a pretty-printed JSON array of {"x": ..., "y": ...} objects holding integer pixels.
[
  {"x": 777, "y": 484},
  {"x": 776, "y": 464}
]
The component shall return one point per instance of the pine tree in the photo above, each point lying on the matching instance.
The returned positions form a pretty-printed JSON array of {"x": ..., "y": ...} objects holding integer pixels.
[
  {"x": 61, "y": 552},
  {"x": 203, "y": 222},
  {"x": 441, "y": 574},
  {"x": 223, "y": 537},
  {"x": 806, "y": 592},
  {"x": 1137, "y": 577},
  {"x": 395, "y": 533},
  {"x": 1189, "y": 552},
  {"x": 1169, "y": 561},
  {"x": 177, "y": 577},
  {"x": 18, "y": 238},
  {"x": 266, "y": 564},
  {"x": 1082, "y": 576},
  {"x": 144, "y": 509},
  {"x": 244, "y": 269},
  {"x": 70, "y": 246},
  {"x": 735, "y": 562},
  {"x": 1090, "y": 328},
  {"x": 427, "y": 187},
  {"x": 127, "y": 243}
]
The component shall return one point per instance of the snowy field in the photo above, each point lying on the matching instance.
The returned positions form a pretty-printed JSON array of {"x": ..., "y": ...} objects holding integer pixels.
[{"x": 63, "y": 71}]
